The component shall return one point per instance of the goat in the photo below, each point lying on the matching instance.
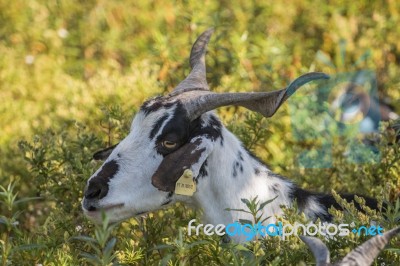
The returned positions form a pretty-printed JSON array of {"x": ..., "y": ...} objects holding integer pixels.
[
  {"x": 363, "y": 255},
  {"x": 180, "y": 131}
]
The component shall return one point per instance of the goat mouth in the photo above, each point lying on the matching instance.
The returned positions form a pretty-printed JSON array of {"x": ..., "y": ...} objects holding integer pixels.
[
  {"x": 146, "y": 212},
  {"x": 112, "y": 206},
  {"x": 104, "y": 208}
]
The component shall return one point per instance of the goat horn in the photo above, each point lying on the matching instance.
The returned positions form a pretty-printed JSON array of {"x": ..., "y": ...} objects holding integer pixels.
[
  {"x": 197, "y": 77},
  {"x": 318, "y": 248},
  {"x": 367, "y": 252},
  {"x": 266, "y": 103}
]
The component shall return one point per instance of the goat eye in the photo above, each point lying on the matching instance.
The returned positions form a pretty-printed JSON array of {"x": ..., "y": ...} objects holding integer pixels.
[{"x": 168, "y": 144}]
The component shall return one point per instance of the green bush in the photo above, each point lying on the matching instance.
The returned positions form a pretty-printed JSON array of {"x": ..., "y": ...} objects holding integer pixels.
[{"x": 72, "y": 74}]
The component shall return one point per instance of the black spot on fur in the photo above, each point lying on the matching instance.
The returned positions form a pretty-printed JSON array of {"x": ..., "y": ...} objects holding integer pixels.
[
  {"x": 98, "y": 185},
  {"x": 238, "y": 163},
  {"x": 217, "y": 126},
  {"x": 176, "y": 130},
  {"x": 214, "y": 122},
  {"x": 157, "y": 125},
  {"x": 256, "y": 171},
  {"x": 155, "y": 104},
  {"x": 212, "y": 129},
  {"x": 203, "y": 170},
  {"x": 234, "y": 174},
  {"x": 301, "y": 196},
  {"x": 240, "y": 156},
  {"x": 152, "y": 105},
  {"x": 108, "y": 170},
  {"x": 327, "y": 201},
  {"x": 275, "y": 188},
  {"x": 235, "y": 166}
]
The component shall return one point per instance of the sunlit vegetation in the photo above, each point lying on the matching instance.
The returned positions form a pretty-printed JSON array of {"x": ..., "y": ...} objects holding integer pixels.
[{"x": 73, "y": 73}]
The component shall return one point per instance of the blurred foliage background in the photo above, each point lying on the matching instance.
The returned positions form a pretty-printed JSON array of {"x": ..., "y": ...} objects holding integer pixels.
[{"x": 72, "y": 74}]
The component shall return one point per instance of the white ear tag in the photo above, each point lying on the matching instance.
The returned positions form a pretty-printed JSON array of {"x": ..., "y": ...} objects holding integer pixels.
[{"x": 185, "y": 184}]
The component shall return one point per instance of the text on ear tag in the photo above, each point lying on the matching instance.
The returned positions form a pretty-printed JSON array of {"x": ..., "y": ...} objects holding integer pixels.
[{"x": 185, "y": 184}]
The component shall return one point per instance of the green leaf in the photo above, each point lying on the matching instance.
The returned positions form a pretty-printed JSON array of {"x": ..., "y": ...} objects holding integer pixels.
[
  {"x": 29, "y": 247},
  {"x": 239, "y": 210},
  {"x": 262, "y": 205},
  {"x": 165, "y": 261},
  {"x": 240, "y": 247},
  {"x": 244, "y": 221},
  {"x": 162, "y": 246},
  {"x": 92, "y": 258},
  {"x": 27, "y": 199},
  {"x": 201, "y": 242},
  {"x": 110, "y": 245},
  {"x": 265, "y": 219},
  {"x": 246, "y": 201},
  {"x": 84, "y": 238}
]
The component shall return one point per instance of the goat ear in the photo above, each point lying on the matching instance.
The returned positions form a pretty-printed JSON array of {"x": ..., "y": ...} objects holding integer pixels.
[
  {"x": 103, "y": 154},
  {"x": 190, "y": 156}
]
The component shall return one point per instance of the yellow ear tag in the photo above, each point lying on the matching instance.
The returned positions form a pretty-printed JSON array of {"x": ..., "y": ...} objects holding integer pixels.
[{"x": 185, "y": 184}]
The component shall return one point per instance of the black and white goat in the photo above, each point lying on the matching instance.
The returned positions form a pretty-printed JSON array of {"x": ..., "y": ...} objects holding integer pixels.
[{"x": 180, "y": 131}]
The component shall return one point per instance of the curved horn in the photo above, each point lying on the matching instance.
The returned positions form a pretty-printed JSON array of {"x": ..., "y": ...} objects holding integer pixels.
[
  {"x": 367, "y": 252},
  {"x": 266, "y": 103},
  {"x": 197, "y": 77},
  {"x": 318, "y": 248}
]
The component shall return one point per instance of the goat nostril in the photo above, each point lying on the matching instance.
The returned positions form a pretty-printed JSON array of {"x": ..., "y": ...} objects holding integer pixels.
[
  {"x": 93, "y": 194},
  {"x": 93, "y": 191},
  {"x": 96, "y": 190},
  {"x": 92, "y": 209}
]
